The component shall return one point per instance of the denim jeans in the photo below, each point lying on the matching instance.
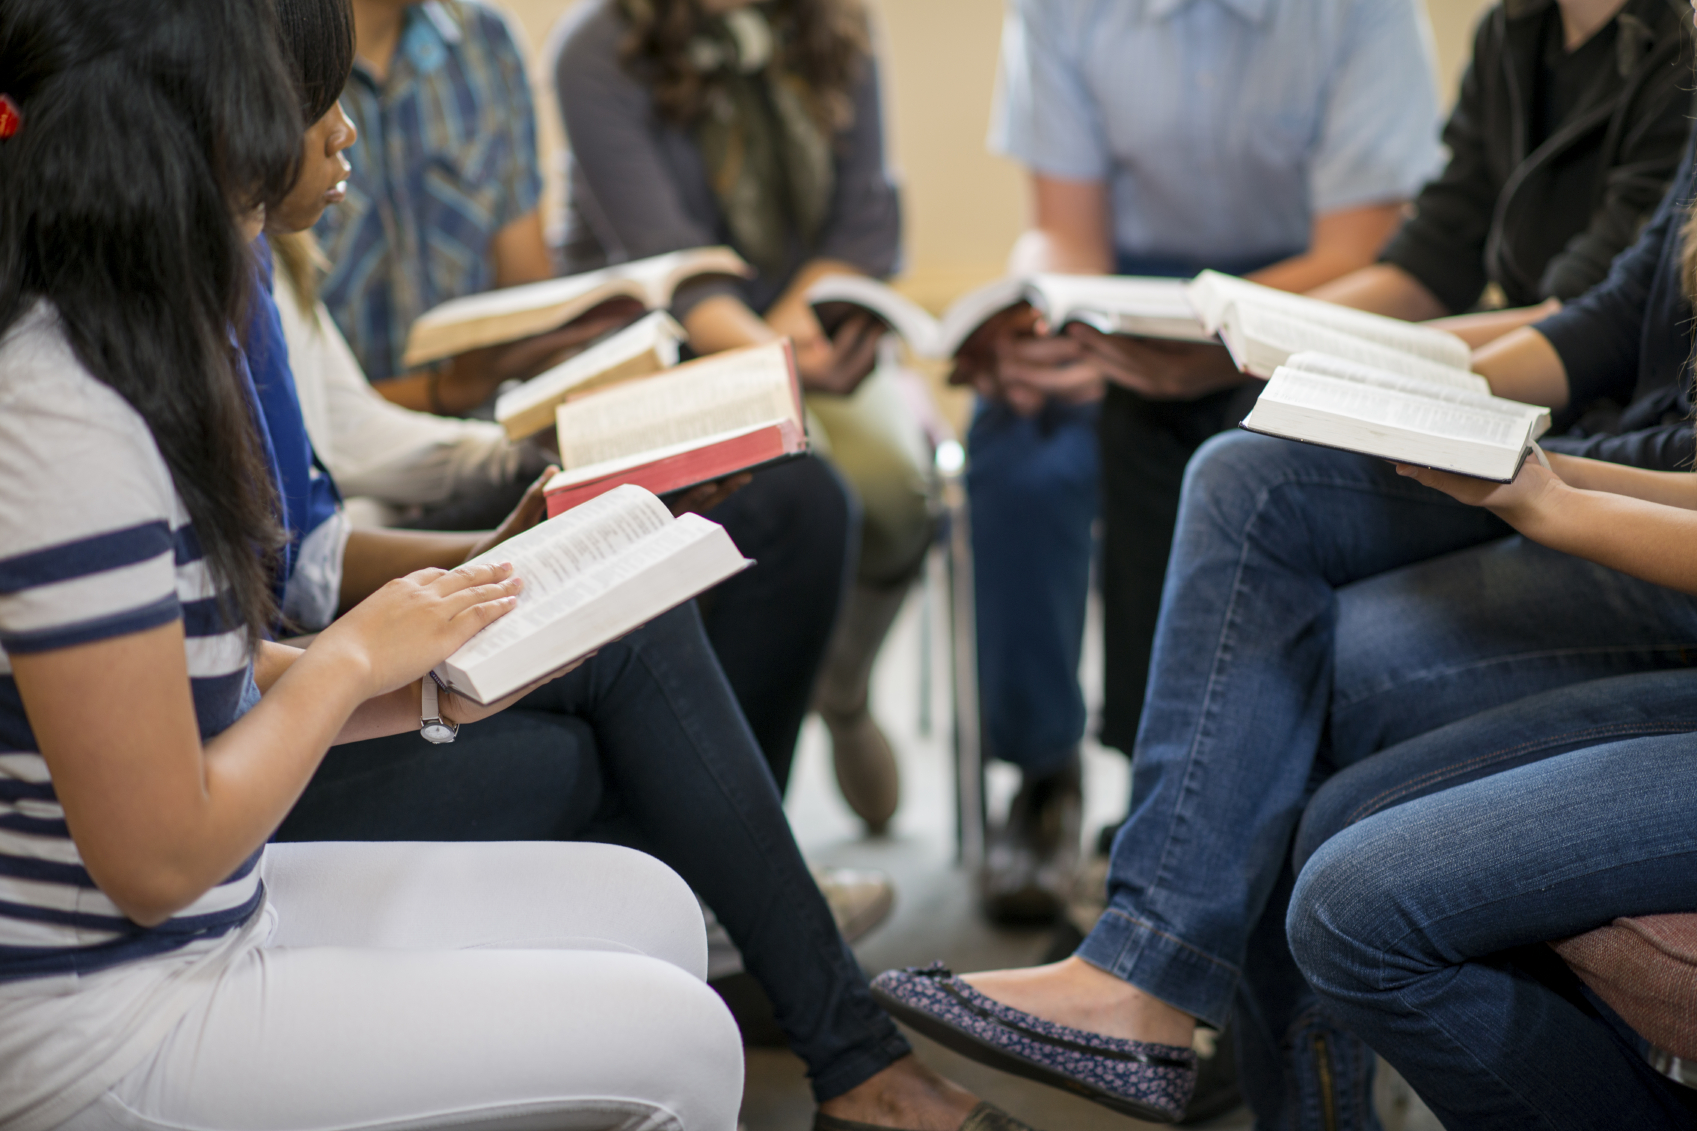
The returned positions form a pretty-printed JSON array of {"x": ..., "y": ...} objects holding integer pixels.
[
  {"x": 1434, "y": 872},
  {"x": 1032, "y": 489},
  {"x": 642, "y": 746},
  {"x": 1318, "y": 608}
]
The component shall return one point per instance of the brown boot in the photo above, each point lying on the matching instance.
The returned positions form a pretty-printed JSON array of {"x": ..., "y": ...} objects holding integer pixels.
[{"x": 866, "y": 766}]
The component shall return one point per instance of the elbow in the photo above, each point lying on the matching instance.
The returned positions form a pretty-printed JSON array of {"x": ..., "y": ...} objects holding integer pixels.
[{"x": 148, "y": 896}]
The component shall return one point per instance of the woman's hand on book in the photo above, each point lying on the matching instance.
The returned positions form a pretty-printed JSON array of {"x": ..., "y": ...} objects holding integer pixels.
[
  {"x": 531, "y": 509},
  {"x": 1516, "y": 502},
  {"x": 1155, "y": 369},
  {"x": 415, "y": 622}
]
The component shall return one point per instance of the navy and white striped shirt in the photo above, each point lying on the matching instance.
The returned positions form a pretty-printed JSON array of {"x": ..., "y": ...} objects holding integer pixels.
[{"x": 94, "y": 544}]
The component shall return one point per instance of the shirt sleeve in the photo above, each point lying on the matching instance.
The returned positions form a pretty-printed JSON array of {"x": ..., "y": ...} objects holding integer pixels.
[
  {"x": 1378, "y": 138},
  {"x": 865, "y": 224},
  {"x": 1045, "y": 116},
  {"x": 85, "y": 513}
]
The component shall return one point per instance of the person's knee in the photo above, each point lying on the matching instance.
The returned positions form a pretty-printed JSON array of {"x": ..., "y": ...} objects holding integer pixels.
[
  {"x": 666, "y": 922},
  {"x": 1230, "y": 471},
  {"x": 1336, "y": 917},
  {"x": 683, "y": 1052}
]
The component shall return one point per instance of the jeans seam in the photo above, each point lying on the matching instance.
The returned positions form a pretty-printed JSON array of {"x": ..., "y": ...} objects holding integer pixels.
[
  {"x": 1343, "y": 702},
  {"x": 1393, "y": 795}
]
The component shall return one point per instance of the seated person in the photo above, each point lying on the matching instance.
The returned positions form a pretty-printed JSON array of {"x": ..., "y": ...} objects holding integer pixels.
[
  {"x": 1322, "y": 608},
  {"x": 698, "y": 122},
  {"x": 1161, "y": 139},
  {"x": 1543, "y": 187},
  {"x": 642, "y": 745},
  {"x": 1436, "y": 869},
  {"x": 442, "y": 202},
  {"x": 160, "y": 964},
  {"x": 1548, "y": 179}
]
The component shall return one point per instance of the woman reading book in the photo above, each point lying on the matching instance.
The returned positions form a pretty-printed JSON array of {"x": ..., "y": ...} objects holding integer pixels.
[
  {"x": 1431, "y": 874},
  {"x": 643, "y": 745},
  {"x": 159, "y": 963},
  {"x": 760, "y": 126}
]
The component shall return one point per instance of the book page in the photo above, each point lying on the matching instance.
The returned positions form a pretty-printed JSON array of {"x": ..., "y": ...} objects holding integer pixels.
[
  {"x": 1476, "y": 390},
  {"x": 904, "y": 316},
  {"x": 1397, "y": 410},
  {"x": 661, "y": 275},
  {"x": 1214, "y": 294},
  {"x": 656, "y": 332},
  {"x": 1119, "y": 304},
  {"x": 971, "y": 310},
  {"x": 562, "y": 562},
  {"x": 715, "y": 395},
  {"x": 1288, "y": 334}
]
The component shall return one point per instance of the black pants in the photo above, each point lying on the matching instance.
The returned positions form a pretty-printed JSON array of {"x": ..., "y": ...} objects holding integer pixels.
[
  {"x": 1145, "y": 447},
  {"x": 643, "y": 746},
  {"x": 770, "y": 625}
]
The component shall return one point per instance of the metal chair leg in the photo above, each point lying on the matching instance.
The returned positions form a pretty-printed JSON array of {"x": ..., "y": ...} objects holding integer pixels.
[{"x": 968, "y": 748}]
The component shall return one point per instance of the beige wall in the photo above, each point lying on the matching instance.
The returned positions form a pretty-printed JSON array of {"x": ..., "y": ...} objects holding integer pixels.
[{"x": 964, "y": 206}]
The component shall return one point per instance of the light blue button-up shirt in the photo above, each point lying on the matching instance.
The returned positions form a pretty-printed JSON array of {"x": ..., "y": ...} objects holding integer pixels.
[{"x": 1223, "y": 127}]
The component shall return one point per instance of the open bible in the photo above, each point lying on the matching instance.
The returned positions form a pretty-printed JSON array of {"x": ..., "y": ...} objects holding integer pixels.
[
  {"x": 512, "y": 313},
  {"x": 642, "y": 348},
  {"x": 704, "y": 420},
  {"x": 1452, "y": 425},
  {"x": 1147, "y": 307},
  {"x": 1262, "y": 327},
  {"x": 590, "y": 577}
]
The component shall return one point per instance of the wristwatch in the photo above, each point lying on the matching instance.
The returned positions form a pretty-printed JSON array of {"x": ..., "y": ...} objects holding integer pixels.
[{"x": 431, "y": 724}]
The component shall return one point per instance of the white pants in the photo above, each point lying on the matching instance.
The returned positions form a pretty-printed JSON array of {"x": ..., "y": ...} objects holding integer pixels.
[{"x": 500, "y": 986}]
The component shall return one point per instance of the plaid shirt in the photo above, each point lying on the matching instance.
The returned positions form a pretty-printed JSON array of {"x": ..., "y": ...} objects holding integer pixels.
[{"x": 446, "y": 158}]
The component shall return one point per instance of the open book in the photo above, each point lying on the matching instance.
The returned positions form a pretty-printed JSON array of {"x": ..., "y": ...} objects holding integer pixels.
[
  {"x": 590, "y": 577},
  {"x": 1453, "y": 425},
  {"x": 641, "y": 348},
  {"x": 512, "y": 313},
  {"x": 713, "y": 417},
  {"x": 1262, "y": 327},
  {"x": 1147, "y": 307}
]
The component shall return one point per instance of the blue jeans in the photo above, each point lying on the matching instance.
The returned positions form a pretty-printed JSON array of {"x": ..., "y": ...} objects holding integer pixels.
[
  {"x": 1433, "y": 873},
  {"x": 642, "y": 746},
  {"x": 1032, "y": 489},
  {"x": 1318, "y": 608}
]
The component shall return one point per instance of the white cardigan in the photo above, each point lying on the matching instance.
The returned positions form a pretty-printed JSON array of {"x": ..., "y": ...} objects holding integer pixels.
[{"x": 373, "y": 448}]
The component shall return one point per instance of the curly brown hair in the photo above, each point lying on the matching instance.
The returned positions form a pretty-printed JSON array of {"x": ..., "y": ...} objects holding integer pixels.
[{"x": 826, "y": 42}]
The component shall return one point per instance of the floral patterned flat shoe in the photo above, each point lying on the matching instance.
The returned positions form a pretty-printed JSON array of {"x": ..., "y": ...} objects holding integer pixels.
[{"x": 1147, "y": 1081}]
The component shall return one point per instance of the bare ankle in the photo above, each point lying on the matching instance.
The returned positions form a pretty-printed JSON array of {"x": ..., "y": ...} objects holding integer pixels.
[{"x": 905, "y": 1095}]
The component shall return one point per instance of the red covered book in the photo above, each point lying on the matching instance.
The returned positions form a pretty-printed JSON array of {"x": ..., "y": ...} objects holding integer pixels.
[{"x": 699, "y": 422}]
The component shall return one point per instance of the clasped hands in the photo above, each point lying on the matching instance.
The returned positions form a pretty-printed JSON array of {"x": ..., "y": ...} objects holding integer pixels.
[{"x": 1014, "y": 358}]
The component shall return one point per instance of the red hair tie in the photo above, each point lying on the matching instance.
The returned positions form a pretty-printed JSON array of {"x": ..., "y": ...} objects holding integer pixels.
[{"x": 11, "y": 118}]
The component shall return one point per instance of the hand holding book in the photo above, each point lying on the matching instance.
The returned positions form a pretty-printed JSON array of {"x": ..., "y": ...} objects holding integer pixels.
[{"x": 1158, "y": 369}]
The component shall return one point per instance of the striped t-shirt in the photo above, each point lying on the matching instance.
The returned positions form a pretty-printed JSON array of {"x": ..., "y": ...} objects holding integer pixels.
[{"x": 94, "y": 544}]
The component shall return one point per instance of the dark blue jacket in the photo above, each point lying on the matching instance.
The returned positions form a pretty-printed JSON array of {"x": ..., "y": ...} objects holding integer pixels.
[{"x": 1628, "y": 342}]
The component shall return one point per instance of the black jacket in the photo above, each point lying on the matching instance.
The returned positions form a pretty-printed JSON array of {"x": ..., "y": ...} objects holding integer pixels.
[
  {"x": 1547, "y": 222},
  {"x": 1629, "y": 342}
]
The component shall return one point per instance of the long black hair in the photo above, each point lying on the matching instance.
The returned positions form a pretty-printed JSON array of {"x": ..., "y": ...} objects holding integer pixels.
[
  {"x": 149, "y": 126},
  {"x": 318, "y": 47}
]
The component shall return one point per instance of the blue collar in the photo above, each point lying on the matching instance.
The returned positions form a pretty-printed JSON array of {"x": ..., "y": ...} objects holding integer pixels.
[{"x": 429, "y": 31}]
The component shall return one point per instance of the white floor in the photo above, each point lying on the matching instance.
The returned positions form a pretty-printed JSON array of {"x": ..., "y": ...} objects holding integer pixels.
[{"x": 936, "y": 914}]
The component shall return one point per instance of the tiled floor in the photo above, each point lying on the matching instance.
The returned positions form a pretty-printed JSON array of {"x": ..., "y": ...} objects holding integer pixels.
[{"x": 935, "y": 915}]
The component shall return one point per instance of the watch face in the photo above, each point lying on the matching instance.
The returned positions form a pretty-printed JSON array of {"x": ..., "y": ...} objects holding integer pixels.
[{"x": 437, "y": 732}]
